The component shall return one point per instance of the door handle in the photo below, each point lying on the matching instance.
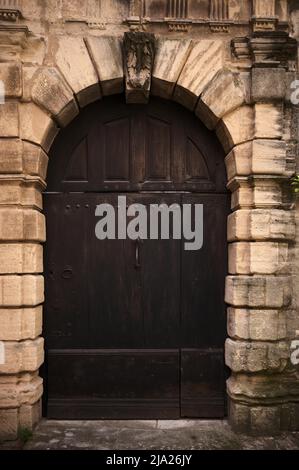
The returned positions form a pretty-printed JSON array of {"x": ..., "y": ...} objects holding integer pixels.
[{"x": 137, "y": 253}]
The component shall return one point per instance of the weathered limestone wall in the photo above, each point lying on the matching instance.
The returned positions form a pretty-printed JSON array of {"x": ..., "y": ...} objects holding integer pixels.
[{"x": 233, "y": 68}]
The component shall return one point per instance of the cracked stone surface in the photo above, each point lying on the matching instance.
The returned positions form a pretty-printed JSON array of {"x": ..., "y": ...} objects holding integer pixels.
[{"x": 142, "y": 435}]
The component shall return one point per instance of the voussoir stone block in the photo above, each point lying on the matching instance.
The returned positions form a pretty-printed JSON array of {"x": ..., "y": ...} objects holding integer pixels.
[
  {"x": 236, "y": 127},
  {"x": 256, "y": 356},
  {"x": 204, "y": 61},
  {"x": 22, "y": 356},
  {"x": 36, "y": 125},
  {"x": 9, "y": 119},
  {"x": 21, "y": 258},
  {"x": 258, "y": 258},
  {"x": 171, "y": 55},
  {"x": 11, "y": 76},
  {"x": 256, "y": 324},
  {"x": 106, "y": 53},
  {"x": 71, "y": 57},
  {"x": 17, "y": 291},
  {"x": 258, "y": 291},
  {"x": 269, "y": 120},
  {"x": 50, "y": 91},
  {"x": 21, "y": 225},
  {"x": 261, "y": 224},
  {"x": 227, "y": 92},
  {"x": 20, "y": 323}
]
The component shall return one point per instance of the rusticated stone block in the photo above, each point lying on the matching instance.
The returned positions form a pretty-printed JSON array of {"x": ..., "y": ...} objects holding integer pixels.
[
  {"x": 21, "y": 392},
  {"x": 258, "y": 258},
  {"x": 269, "y": 120},
  {"x": 269, "y": 157},
  {"x": 261, "y": 224},
  {"x": 9, "y": 119},
  {"x": 255, "y": 420},
  {"x": 256, "y": 192},
  {"x": 11, "y": 76},
  {"x": 71, "y": 57},
  {"x": 171, "y": 55},
  {"x": 227, "y": 92},
  {"x": 258, "y": 325},
  {"x": 35, "y": 160},
  {"x": 11, "y": 156},
  {"x": 259, "y": 157},
  {"x": 204, "y": 61},
  {"x": 290, "y": 417},
  {"x": 107, "y": 56},
  {"x": 268, "y": 84},
  {"x": 8, "y": 424},
  {"x": 20, "y": 323},
  {"x": 26, "y": 290},
  {"x": 258, "y": 291},
  {"x": 22, "y": 356},
  {"x": 36, "y": 126},
  {"x": 17, "y": 191},
  {"x": 50, "y": 91},
  {"x": 241, "y": 356},
  {"x": 21, "y": 224},
  {"x": 263, "y": 387},
  {"x": 236, "y": 127},
  {"x": 30, "y": 415},
  {"x": 21, "y": 258}
]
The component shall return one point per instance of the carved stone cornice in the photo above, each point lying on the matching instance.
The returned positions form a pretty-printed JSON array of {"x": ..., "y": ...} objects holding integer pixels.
[
  {"x": 266, "y": 49},
  {"x": 139, "y": 52}
]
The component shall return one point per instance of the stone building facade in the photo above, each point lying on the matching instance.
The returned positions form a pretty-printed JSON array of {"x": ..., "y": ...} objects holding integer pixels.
[{"x": 233, "y": 63}]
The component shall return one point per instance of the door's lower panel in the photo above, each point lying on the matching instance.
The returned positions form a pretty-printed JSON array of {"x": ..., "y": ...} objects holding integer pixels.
[
  {"x": 202, "y": 383},
  {"x": 110, "y": 384}
]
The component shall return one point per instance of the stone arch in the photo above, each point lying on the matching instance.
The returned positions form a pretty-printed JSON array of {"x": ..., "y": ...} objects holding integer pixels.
[{"x": 192, "y": 73}]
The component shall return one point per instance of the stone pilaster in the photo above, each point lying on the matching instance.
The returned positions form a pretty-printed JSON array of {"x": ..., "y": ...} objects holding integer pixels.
[{"x": 263, "y": 388}]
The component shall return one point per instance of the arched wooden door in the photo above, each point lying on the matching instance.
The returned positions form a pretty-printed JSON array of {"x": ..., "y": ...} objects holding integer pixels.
[{"x": 128, "y": 337}]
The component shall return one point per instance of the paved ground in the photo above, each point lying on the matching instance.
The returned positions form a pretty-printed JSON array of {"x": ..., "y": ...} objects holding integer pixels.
[{"x": 160, "y": 435}]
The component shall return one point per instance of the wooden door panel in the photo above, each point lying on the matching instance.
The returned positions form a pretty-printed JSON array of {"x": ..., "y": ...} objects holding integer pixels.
[
  {"x": 134, "y": 329},
  {"x": 202, "y": 383},
  {"x": 99, "y": 384},
  {"x": 66, "y": 271},
  {"x": 156, "y": 147},
  {"x": 203, "y": 274}
]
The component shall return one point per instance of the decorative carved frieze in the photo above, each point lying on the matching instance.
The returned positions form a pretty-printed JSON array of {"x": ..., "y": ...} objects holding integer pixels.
[
  {"x": 264, "y": 18},
  {"x": 219, "y": 9},
  {"x": 139, "y": 52},
  {"x": 10, "y": 10},
  {"x": 264, "y": 8},
  {"x": 94, "y": 16},
  {"x": 177, "y": 9}
]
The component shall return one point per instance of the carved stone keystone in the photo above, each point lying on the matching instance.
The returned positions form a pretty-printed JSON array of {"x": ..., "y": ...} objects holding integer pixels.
[{"x": 139, "y": 52}]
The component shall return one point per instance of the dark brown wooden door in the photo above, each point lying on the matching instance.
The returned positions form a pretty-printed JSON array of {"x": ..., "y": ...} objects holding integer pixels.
[{"x": 134, "y": 329}]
